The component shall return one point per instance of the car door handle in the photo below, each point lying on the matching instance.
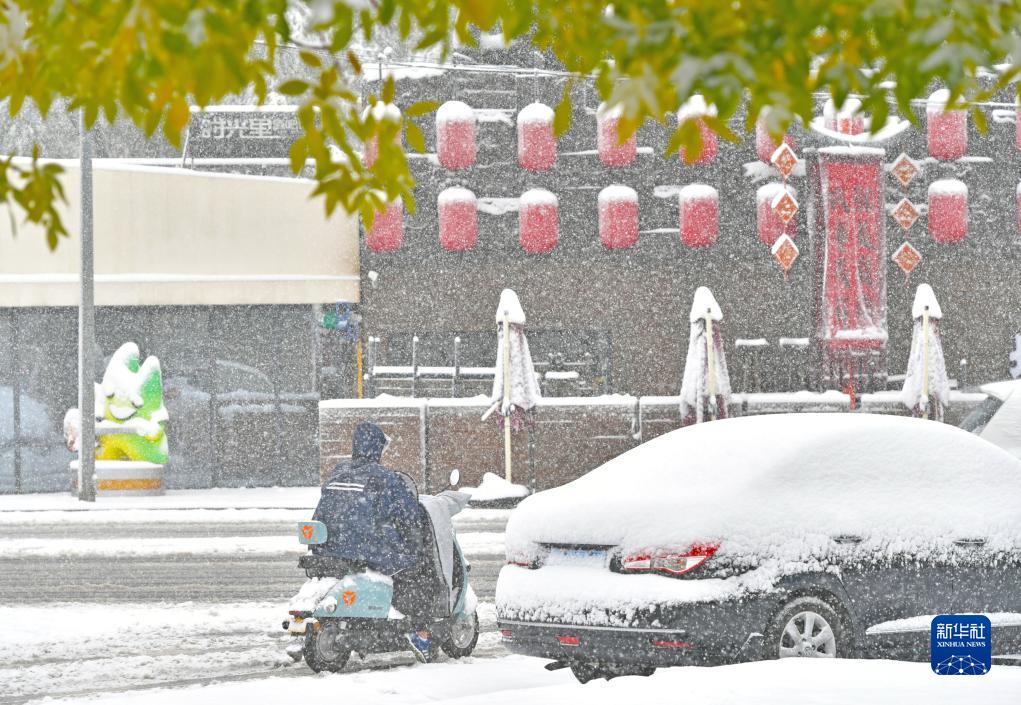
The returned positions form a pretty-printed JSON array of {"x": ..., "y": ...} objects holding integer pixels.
[
  {"x": 970, "y": 543},
  {"x": 847, "y": 539}
]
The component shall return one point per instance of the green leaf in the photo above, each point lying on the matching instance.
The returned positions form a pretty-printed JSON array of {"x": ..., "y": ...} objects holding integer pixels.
[
  {"x": 310, "y": 59},
  {"x": 389, "y": 89},
  {"x": 422, "y": 107},
  {"x": 293, "y": 87},
  {"x": 675, "y": 143},
  {"x": 562, "y": 114},
  {"x": 298, "y": 154},
  {"x": 355, "y": 63},
  {"x": 416, "y": 140},
  {"x": 980, "y": 120}
]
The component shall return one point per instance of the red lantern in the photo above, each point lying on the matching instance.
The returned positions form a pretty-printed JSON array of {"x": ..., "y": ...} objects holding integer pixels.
[
  {"x": 765, "y": 145},
  {"x": 849, "y": 120},
  {"x": 380, "y": 111},
  {"x": 696, "y": 109},
  {"x": 611, "y": 151},
  {"x": 537, "y": 147},
  {"x": 387, "y": 231},
  {"x": 770, "y": 224},
  {"x": 538, "y": 221},
  {"x": 700, "y": 215},
  {"x": 455, "y": 135},
  {"x": 459, "y": 223},
  {"x": 946, "y": 130},
  {"x": 618, "y": 217},
  {"x": 948, "y": 211}
]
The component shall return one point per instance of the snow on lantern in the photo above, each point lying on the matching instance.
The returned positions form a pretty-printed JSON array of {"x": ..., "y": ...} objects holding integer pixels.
[
  {"x": 618, "y": 217},
  {"x": 848, "y": 120},
  {"x": 700, "y": 215},
  {"x": 765, "y": 145},
  {"x": 381, "y": 112},
  {"x": 537, "y": 147},
  {"x": 387, "y": 231},
  {"x": 770, "y": 224},
  {"x": 948, "y": 211},
  {"x": 455, "y": 135},
  {"x": 538, "y": 221},
  {"x": 611, "y": 151},
  {"x": 946, "y": 130},
  {"x": 696, "y": 109},
  {"x": 459, "y": 223}
]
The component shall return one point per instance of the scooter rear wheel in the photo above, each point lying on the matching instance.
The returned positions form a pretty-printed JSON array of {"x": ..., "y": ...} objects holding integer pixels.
[
  {"x": 464, "y": 635},
  {"x": 321, "y": 650}
]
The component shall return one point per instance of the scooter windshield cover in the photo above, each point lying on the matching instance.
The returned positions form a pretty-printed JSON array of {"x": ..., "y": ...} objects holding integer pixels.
[{"x": 312, "y": 532}]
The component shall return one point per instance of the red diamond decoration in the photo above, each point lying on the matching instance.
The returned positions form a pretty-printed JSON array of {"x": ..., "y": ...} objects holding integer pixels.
[
  {"x": 905, "y": 169},
  {"x": 907, "y": 258},
  {"x": 905, "y": 213},
  {"x": 785, "y": 205},
  {"x": 785, "y": 252},
  {"x": 784, "y": 159}
]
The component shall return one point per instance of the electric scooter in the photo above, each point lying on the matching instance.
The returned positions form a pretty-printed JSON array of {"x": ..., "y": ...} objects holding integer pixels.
[{"x": 344, "y": 609}]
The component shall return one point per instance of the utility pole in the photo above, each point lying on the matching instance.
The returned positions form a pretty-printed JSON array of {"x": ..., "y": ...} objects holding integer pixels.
[{"x": 86, "y": 331}]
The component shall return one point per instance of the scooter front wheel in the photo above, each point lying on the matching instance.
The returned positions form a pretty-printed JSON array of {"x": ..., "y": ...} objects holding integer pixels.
[
  {"x": 464, "y": 635},
  {"x": 322, "y": 651}
]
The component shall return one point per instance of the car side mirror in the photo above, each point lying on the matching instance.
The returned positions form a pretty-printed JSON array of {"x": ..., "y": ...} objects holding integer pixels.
[{"x": 455, "y": 477}]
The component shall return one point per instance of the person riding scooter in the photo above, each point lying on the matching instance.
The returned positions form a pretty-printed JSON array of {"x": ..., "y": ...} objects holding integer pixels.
[{"x": 375, "y": 520}]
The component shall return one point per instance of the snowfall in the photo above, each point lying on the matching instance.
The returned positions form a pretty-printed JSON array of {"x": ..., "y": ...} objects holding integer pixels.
[{"x": 234, "y": 652}]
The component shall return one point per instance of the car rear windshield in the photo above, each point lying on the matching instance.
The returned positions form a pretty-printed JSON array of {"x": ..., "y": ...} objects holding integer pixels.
[{"x": 976, "y": 421}]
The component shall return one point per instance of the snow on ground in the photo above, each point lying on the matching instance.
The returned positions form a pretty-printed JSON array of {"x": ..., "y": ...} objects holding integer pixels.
[
  {"x": 494, "y": 487},
  {"x": 229, "y": 498},
  {"x": 473, "y": 543},
  {"x": 266, "y": 504},
  {"x": 517, "y": 679},
  {"x": 82, "y": 648}
]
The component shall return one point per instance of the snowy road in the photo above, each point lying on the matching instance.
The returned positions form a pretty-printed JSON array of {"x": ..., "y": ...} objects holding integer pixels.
[
  {"x": 112, "y": 601},
  {"x": 222, "y": 561},
  {"x": 176, "y": 616}
]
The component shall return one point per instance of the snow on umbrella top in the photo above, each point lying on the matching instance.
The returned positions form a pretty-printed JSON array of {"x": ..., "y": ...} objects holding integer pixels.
[
  {"x": 702, "y": 303},
  {"x": 510, "y": 308},
  {"x": 924, "y": 296},
  {"x": 926, "y": 384}
]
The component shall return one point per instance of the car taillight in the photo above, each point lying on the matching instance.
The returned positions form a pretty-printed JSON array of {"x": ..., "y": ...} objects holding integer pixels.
[
  {"x": 521, "y": 564},
  {"x": 569, "y": 640},
  {"x": 521, "y": 560},
  {"x": 668, "y": 562}
]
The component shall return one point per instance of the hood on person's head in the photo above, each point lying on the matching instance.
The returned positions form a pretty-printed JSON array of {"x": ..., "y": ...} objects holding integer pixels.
[{"x": 369, "y": 442}]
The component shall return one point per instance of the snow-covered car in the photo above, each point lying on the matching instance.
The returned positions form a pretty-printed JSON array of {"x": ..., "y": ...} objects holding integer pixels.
[
  {"x": 998, "y": 418},
  {"x": 763, "y": 537}
]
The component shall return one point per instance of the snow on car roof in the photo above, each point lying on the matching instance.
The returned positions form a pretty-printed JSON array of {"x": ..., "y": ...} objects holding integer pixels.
[{"x": 788, "y": 483}]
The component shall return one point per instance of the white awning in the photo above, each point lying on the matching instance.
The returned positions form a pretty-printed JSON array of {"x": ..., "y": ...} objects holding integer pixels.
[{"x": 169, "y": 236}]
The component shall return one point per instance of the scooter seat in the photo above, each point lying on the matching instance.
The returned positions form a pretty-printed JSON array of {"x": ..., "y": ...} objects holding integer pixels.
[{"x": 327, "y": 566}]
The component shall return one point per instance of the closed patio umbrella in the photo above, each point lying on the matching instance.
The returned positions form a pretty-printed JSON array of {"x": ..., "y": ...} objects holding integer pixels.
[
  {"x": 705, "y": 386},
  {"x": 515, "y": 387},
  {"x": 926, "y": 385}
]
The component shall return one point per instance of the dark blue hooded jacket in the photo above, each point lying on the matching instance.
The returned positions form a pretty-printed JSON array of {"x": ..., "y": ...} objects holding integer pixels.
[{"x": 372, "y": 514}]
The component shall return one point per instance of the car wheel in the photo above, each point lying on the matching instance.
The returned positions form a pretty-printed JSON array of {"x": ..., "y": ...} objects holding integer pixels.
[
  {"x": 807, "y": 627},
  {"x": 322, "y": 651}
]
